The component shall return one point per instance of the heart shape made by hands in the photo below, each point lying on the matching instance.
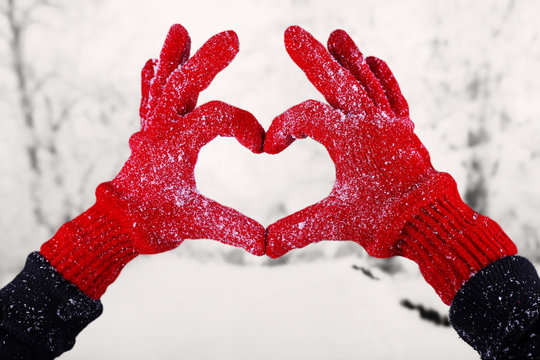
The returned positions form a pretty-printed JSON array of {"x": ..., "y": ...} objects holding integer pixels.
[{"x": 262, "y": 186}]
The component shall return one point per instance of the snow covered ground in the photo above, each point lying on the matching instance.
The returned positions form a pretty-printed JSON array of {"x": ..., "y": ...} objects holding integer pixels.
[{"x": 162, "y": 308}]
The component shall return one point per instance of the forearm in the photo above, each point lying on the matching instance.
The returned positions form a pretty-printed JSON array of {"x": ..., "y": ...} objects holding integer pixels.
[
  {"x": 57, "y": 293},
  {"x": 470, "y": 262},
  {"x": 41, "y": 313},
  {"x": 497, "y": 311}
]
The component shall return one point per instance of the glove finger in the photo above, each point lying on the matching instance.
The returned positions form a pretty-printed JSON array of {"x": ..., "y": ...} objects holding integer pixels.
[
  {"x": 310, "y": 118},
  {"x": 347, "y": 54},
  {"x": 217, "y": 118},
  {"x": 389, "y": 84},
  {"x": 174, "y": 53},
  {"x": 207, "y": 219},
  {"x": 337, "y": 85},
  {"x": 184, "y": 85},
  {"x": 322, "y": 221},
  {"x": 147, "y": 74}
]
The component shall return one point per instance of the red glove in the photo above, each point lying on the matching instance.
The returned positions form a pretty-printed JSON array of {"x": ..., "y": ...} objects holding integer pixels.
[
  {"x": 153, "y": 204},
  {"x": 387, "y": 196}
]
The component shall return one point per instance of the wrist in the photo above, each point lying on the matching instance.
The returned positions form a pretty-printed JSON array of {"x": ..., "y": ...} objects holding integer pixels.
[
  {"x": 450, "y": 242},
  {"x": 91, "y": 250}
]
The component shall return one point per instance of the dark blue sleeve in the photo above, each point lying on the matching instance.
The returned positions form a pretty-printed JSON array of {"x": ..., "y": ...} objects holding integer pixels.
[
  {"x": 497, "y": 311},
  {"x": 41, "y": 313}
]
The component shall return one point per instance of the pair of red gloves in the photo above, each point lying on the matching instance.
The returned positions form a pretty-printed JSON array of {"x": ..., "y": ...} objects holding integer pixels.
[{"x": 387, "y": 196}]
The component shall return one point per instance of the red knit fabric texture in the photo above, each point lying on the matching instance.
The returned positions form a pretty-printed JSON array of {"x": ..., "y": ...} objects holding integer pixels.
[
  {"x": 91, "y": 250},
  {"x": 387, "y": 196},
  {"x": 153, "y": 204},
  {"x": 383, "y": 172},
  {"x": 450, "y": 242}
]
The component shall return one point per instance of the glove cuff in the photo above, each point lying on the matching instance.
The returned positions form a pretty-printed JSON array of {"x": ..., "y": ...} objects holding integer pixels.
[
  {"x": 450, "y": 242},
  {"x": 91, "y": 250}
]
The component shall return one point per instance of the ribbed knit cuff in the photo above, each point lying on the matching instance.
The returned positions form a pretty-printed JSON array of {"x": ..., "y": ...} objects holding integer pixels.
[
  {"x": 450, "y": 242},
  {"x": 90, "y": 250},
  {"x": 497, "y": 311}
]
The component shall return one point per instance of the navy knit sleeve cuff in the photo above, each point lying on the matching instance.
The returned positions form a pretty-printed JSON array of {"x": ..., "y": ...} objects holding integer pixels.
[
  {"x": 497, "y": 311},
  {"x": 41, "y": 313}
]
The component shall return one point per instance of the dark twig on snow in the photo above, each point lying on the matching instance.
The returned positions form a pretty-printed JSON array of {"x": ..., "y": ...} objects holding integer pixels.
[
  {"x": 366, "y": 272},
  {"x": 427, "y": 314}
]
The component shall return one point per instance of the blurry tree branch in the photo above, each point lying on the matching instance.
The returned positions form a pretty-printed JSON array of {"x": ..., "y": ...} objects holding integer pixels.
[
  {"x": 479, "y": 170},
  {"x": 42, "y": 127}
]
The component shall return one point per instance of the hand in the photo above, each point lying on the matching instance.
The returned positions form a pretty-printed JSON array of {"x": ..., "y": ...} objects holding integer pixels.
[
  {"x": 157, "y": 183},
  {"x": 387, "y": 196},
  {"x": 383, "y": 172},
  {"x": 153, "y": 204}
]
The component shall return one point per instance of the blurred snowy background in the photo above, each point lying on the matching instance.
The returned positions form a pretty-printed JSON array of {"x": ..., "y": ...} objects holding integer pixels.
[{"x": 69, "y": 92}]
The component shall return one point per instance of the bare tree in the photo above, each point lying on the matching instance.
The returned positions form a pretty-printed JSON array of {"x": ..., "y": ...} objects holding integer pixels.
[
  {"x": 476, "y": 192},
  {"x": 483, "y": 164},
  {"x": 41, "y": 127}
]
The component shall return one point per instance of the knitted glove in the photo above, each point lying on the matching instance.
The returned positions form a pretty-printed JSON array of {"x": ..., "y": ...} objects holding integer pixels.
[
  {"x": 387, "y": 196},
  {"x": 152, "y": 205}
]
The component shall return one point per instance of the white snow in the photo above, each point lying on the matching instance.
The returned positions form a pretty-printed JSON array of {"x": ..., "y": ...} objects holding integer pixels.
[{"x": 166, "y": 307}]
